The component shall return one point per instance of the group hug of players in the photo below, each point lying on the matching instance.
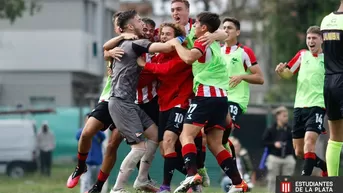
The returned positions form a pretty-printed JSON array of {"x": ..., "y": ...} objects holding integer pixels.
[{"x": 195, "y": 90}]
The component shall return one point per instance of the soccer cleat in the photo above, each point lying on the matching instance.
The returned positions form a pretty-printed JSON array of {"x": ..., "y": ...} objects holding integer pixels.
[
  {"x": 94, "y": 189},
  {"x": 147, "y": 186},
  {"x": 74, "y": 178},
  {"x": 164, "y": 189},
  {"x": 189, "y": 182},
  {"x": 242, "y": 187},
  {"x": 205, "y": 178}
]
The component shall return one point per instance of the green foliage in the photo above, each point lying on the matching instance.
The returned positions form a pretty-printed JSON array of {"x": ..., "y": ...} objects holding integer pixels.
[
  {"x": 287, "y": 22},
  {"x": 12, "y": 9}
]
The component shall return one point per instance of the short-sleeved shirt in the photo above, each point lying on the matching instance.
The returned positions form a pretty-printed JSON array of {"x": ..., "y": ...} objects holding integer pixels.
[
  {"x": 126, "y": 72},
  {"x": 332, "y": 29}
]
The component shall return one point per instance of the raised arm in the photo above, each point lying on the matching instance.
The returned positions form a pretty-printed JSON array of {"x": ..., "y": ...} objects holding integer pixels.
[
  {"x": 286, "y": 70},
  {"x": 209, "y": 38},
  {"x": 110, "y": 44},
  {"x": 188, "y": 56},
  {"x": 160, "y": 47}
]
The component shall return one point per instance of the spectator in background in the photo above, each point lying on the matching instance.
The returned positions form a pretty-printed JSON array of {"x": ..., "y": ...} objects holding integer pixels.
[
  {"x": 244, "y": 166},
  {"x": 46, "y": 144},
  {"x": 278, "y": 140},
  {"x": 93, "y": 161}
]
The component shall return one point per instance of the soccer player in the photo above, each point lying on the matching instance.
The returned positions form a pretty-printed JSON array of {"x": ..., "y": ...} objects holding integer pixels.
[
  {"x": 309, "y": 110},
  {"x": 116, "y": 138},
  {"x": 175, "y": 91},
  {"x": 243, "y": 70},
  {"x": 99, "y": 119},
  {"x": 132, "y": 121},
  {"x": 180, "y": 15},
  {"x": 209, "y": 108},
  {"x": 332, "y": 29},
  {"x": 149, "y": 30}
]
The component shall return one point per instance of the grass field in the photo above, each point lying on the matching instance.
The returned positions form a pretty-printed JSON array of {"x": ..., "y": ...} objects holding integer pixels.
[{"x": 56, "y": 184}]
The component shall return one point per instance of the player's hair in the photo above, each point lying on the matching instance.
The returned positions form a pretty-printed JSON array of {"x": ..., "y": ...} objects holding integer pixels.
[
  {"x": 279, "y": 110},
  {"x": 314, "y": 30},
  {"x": 234, "y": 21},
  {"x": 124, "y": 18},
  {"x": 177, "y": 29},
  {"x": 211, "y": 20},
  {"x": 182, "y": 1},
  {"x": 115, "y": 15},
  {"x": 149, "y": 21}
]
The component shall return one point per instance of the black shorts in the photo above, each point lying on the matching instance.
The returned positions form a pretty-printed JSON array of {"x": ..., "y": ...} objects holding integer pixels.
[
  {"x": 308, "y": 119},
  {"x": 235, "y": 112},
  {"x": 171, "y": 120},
  {"x": 208, "y": 112},
  {"x": 151, "y": 109},
  {"x": 101, "y": 113},
  {"x": 333, "y": 96}
]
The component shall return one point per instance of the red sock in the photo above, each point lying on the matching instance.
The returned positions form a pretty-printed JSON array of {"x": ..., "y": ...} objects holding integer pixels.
[{"x": 102, "y": 176}]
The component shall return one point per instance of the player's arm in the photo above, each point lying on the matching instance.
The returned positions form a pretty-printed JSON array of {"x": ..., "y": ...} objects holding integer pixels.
[
  {"x": 160, "y": 47},
  {"x": 188, "y": 56},
  {"x": 114, "y": 53},
  {"x": 220, "y": 35},
  {"x": 110, "y": 44},
  {"x": 256, "y": 76},
  {"x": 209, "y": 38},
  {"x": 286, "y": 70},
  {"x": 143, "y": 46},
  {"x": 161, "y": 68}
]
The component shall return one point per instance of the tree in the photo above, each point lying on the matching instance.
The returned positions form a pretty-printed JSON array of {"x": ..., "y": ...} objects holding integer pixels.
[
  {"x": 12, "y": 9},
  {"x": 286, "y": 22}
]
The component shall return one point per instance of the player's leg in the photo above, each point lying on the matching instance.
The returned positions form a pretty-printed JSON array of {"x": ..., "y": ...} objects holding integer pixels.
[
  {"x": 94, "y": 124},
  {"x": 171, "y": 135},
  {"x": 334, "y": 147},
  {"x": 225, "y": 160},
  {"x": 314, "y": 127},
  {"x": 200, "y": 143},
  {"x": 108, "y": 162},
  {"x": 195, "y": 120},
  {"x": 334, "y": 108},
  {"x": 151, "y": 144},
  {"x": 152, "y": 110},
  {"x": 170, "y": 159},
  {"x": 128, "y": 122},
  {"x": 216, "y": 126}
]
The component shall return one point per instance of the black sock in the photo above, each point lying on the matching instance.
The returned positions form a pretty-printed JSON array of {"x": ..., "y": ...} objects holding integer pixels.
[
  {"x": 189, "y": 152},
  {"x": 170, "y": 163},
  {"x": 233, "y": 153},
  {"x": 310, "y": 162},
  {"x": 180, "y": 166},
  {"x": 198, "y": 144},
  {"x": 321, "y": 164},
  {"x": 138, "y": 164},
  {"x": 226, "y": 162}
]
